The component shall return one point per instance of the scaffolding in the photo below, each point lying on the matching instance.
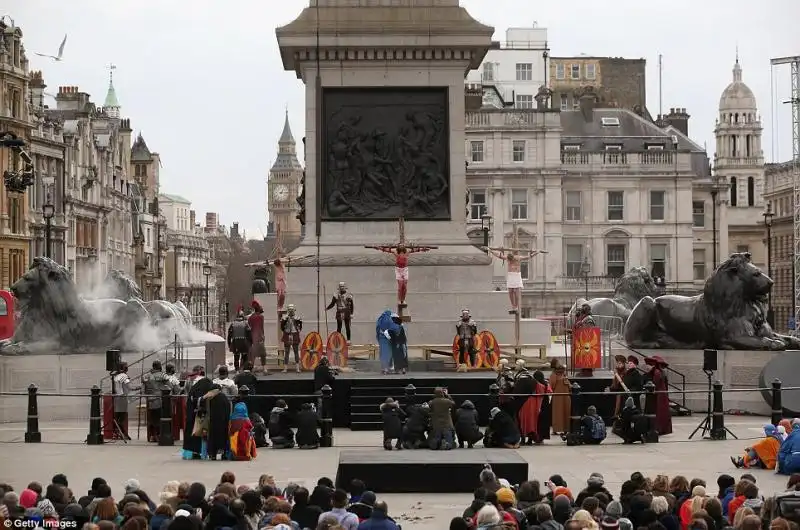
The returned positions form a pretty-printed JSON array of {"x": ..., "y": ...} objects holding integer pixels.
[{"x": 794, "y": 102}]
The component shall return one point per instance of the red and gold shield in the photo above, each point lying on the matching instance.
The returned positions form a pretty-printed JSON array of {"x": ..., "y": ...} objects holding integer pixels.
[
  {"x": 336, "y": 349},
  {"x": 311, "y": 351},
  {"x": 586, "y": 353},
  {"x": 490, "y": 349},
  {"x": 478, "y": 355}
]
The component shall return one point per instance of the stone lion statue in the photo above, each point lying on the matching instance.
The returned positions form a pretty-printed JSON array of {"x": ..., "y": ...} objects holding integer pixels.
[
  {"x": 730, "y": 314},
  {"x": 52, "y": 313},
  {"x": 631, "y": 287}
]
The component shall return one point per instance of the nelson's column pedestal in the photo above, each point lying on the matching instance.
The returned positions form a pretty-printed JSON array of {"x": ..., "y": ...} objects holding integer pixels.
[{"x": 392, "y": 145}]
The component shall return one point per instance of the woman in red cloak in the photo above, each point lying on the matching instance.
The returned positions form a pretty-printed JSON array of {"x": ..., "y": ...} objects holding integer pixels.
[
  {"x": 535, "y": 415},
  {"x": 658, "y": 376},
  {"x": 240, "y": 431}
]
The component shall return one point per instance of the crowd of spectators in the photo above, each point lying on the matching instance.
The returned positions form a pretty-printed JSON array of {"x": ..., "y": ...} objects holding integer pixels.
[
  {"x": 643, "y": 503},
  {"x": 190, "y": 506}
]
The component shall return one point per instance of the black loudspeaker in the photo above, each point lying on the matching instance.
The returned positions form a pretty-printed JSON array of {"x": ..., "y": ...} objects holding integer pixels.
[
  {"x": 709, "y": 360},
  {"x": 113, "y": 360}
]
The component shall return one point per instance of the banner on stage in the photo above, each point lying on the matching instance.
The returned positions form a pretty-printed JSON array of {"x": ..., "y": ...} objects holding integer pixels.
[{"x": 586, "y": 352}]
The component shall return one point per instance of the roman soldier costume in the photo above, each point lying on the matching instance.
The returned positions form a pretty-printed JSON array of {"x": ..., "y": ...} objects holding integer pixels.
[
  {"x": 291, "y": 326},
  {"x": 466, "y": 329},
  {"x": 345, "y": 308}
]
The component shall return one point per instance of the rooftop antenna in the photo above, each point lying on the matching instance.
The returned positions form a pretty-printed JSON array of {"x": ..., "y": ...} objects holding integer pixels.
[
  {"x": 660, "y": 86},
  {"x": 111, "y": 68}
]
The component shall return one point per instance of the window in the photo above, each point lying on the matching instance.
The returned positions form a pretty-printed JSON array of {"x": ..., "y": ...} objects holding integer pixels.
[
  {"x": 658, "y": 260},
  {"x": 560, "y": 71},
  {"x": 572, "y": 206},
  {"x": 575, "y": 71},
  {"x": 699, "y": 263},
  {"x": 524, "y": 101},
  {"x": 476, "y": 148},
  {"x": 477, "y": 204},
  {"x": 615, "y": 260},
  {"x": 590, "y": 71},
  {"x": 613, "y": 147},
  {"x": 15, "y": 217},
  {"x": 574, "y": 260},
  {"x": 609, "y": 121},
  {"x": 655, "y": 147},
  {"x": 525, "y": 268},
  {"x": 616, "y": 205},
  {"x": 524, "y": 72},
  {"x": 698, "y": 214},
  {"x": 518, "y": 150},
  {"x": 657, "y": 206},
  {"x": 488, "y": 71},
  {"x": 571, "y": 147},
  {"x": 751, "y": 191},
  {"x": 564, "y": 102},
  {"x": 519, "y": 204},
  {"x": 734, "y": 193}
]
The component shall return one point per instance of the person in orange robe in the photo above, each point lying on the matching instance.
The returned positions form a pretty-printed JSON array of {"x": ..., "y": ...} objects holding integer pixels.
[
  {"x": 562, "y": 403},
  {"x": 763, "y": 454},
  {"x": 240, "y": 432}
]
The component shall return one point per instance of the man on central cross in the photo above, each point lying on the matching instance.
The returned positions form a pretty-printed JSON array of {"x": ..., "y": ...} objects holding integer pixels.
[
  {"x": 513, "y": 259},
  {"x": 401, "y": 250}
]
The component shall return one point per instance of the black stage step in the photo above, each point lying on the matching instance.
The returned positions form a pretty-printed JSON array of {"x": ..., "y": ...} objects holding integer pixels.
[{"x": 425, "y": 471}]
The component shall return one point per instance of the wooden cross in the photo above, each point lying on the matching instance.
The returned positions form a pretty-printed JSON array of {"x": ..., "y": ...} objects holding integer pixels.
[
  {"x": 277, "y": 250},
  {"x": 401, "y": 241},
  {"x": 515, "y": 246}
]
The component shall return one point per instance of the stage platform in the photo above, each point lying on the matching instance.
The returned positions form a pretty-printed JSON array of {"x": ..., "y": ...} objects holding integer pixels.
[
  {"x": 357, "y": 395},
  {"x": 426, "y": 471}
]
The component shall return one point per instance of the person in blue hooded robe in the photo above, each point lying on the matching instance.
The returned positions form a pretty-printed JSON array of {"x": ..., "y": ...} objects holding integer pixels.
[
  {"x": 789, "y": 453},
  {"x": 384, "y": 327}
]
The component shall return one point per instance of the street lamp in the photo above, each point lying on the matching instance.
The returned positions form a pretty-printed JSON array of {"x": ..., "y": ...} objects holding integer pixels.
[
  {"x": 486, "y": 219},
  {"x": 586, "y": 268},
  {"x": 768, "y": 215},
  {"x": 207, "y": 273},
  {"x": 48, "y": 211}
]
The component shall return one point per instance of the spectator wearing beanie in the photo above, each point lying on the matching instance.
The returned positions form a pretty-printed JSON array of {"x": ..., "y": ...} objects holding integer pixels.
[
  {"x": 507, "y": 501},
  {"x": 28, "y": 498},
  {"x": 614, "y": 509},
  {"x": 594, "y": 484},
  {"x": 609, "y": 523}
]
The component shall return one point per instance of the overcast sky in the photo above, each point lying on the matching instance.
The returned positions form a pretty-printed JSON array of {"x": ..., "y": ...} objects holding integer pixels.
[{"x": 203, "y": 81}]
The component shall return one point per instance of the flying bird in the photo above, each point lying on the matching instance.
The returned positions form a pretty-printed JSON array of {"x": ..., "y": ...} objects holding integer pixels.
[{"x": 60, "y": 51}]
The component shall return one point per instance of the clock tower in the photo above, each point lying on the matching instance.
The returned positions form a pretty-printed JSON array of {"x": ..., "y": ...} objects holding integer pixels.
[{"x": 283, "y": 185}]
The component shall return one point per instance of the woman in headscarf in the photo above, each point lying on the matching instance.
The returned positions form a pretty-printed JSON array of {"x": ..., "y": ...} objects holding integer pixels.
[
  {"x": 562, "y": 403},
  {"x": 786, "y": 423},
  {"x": 215, "y": 413},
  {"x": 762, "y": 454},
  {"x": 531, "y": 410},
  {"x": 192, "y": 439},
  {"x": 240, "y": 430},
  {"x": 384, "y": 327},
  {"x": 399, "y": 345}
]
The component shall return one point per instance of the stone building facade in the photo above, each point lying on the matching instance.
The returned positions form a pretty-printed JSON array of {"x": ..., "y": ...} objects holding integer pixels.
[
  {"x": 618, "y": 82},
  {"x": 779, "y": 198},
  {"x": 15, "y": 118}
]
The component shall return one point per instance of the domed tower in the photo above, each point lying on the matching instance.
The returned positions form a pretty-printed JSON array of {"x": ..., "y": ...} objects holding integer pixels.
[
  {"x": 284, "y": 184},
  {"x": 739, "y": 160}
]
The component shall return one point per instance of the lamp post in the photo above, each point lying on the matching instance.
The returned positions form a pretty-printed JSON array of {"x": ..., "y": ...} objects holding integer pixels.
[
  {"x": 48, "y": 211},
  {"x": 486, "y": 219},
  {"x": 207, "y": 273},
  {"x": 586, "y": 268},
  {"x": 768, "y": 215}
]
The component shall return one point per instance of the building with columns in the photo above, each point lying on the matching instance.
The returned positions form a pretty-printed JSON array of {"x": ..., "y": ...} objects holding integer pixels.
[
  {"x": 739, "y": 162},
  {"x": 283, "y": 186},
  {"x": 600, "y": 189},
  {"x": 15, "y": 118}
]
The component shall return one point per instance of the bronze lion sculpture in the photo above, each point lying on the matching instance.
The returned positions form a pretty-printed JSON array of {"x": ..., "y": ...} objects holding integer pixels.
[
  {"x": 630, "y": 288},
  {"x": 730, "y": 314}
]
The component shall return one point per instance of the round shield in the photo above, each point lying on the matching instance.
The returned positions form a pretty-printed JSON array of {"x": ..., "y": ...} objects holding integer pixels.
[
  {"x": 490, "y": 349},
  {"x": 311, "y": 351},
  {"x": 478, "y": 352},
  {"x": 336, "y": 349}
]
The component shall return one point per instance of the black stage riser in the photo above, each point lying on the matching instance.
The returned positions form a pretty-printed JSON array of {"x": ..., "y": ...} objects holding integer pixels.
[
  {"x": 356, "y": 401},
  {"x": 426, "y": 471}
]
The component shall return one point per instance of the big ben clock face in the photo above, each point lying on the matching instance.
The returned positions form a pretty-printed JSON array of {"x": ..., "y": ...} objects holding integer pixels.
[{"x": 281, "y": 192}]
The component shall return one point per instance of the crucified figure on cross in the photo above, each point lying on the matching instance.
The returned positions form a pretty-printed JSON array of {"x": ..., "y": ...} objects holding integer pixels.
[
  {"x": 513, "y": 257},
  {"x": 401, "y": 250}
]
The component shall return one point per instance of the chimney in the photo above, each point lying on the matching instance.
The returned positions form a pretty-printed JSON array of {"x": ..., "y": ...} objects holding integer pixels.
[
  {"x": 473, "y": 97},
  {"x": 211, "y": 222},
  {"x": 679, "y": 119},
  {"x": 587, "y": 102},
  {"x": 192, "y": 219},
  {"x": 235, "y": 231}
]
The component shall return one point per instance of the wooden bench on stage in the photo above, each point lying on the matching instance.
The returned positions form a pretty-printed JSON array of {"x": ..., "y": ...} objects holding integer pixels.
[{"x": 506, "y": 350}]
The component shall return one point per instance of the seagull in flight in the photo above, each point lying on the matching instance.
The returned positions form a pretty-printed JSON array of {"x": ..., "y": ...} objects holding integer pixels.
[{"x": 60, "y": 51}]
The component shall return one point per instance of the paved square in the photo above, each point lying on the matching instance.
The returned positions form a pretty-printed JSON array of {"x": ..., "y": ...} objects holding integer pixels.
[{"x": 64, "y": 452}]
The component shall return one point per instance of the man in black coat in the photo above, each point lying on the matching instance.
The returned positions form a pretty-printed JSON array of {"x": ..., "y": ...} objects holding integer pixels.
[
  {"x": 634, "y": 379},
  {"x": 502, "y": 432},
  {"x": 416, "y": 426},
  {"x": 192, "y": 444},
  {"x": 633, "y": 424},
  {"x": 467, "y": 425},
  {"x": 217, "y": 406},
  {"x": 392, "y": 416},
  {"x": 280, "y": 426},
  {"x": 307, "y": 422}
]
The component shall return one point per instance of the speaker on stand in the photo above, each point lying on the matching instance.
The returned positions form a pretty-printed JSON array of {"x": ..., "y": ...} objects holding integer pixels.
[{"x": 113, "y": 360}]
